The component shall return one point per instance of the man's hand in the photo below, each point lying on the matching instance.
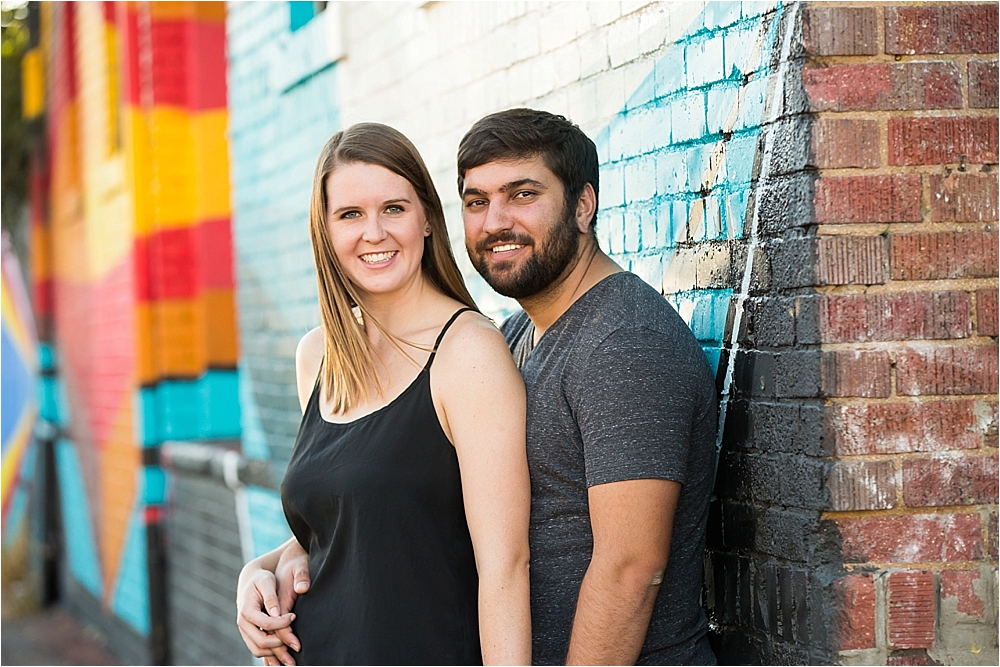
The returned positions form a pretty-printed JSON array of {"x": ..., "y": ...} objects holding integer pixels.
[
  {"x": 265, "y": 600},
  {"x": 292, "y": 576}
]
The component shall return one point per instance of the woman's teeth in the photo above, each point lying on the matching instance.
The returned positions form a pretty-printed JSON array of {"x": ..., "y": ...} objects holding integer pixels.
[{"x": 376, "y": 257}]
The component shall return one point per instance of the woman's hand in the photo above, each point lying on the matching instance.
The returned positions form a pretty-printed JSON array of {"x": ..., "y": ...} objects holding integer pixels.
[{"x": 264, "y": 603}]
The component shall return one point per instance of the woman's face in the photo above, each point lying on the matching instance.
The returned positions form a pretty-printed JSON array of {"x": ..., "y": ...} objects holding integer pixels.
[{"x": 377, "y": 226}]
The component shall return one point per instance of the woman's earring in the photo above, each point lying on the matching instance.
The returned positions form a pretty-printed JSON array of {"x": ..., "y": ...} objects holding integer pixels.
[{"x": 427, "y": 231}]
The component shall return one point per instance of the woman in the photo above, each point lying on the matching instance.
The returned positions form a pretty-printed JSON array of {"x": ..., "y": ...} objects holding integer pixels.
[{"x": 408, "y": 478}]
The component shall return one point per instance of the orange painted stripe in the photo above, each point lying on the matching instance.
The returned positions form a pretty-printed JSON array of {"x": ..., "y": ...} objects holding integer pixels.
[{"x": 185, "y": 337}]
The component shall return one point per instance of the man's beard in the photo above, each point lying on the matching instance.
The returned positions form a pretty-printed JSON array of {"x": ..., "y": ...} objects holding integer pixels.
[{"x": 546, "y": 263}]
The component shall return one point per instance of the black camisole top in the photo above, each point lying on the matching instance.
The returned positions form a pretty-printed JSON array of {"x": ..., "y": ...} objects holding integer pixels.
[{"x": 377, "y": 503}]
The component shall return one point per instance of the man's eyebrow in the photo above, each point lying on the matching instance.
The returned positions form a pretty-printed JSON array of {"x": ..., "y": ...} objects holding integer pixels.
[
  {"x": 513, "y": 185},
  {"x": 507, "y": 187}
]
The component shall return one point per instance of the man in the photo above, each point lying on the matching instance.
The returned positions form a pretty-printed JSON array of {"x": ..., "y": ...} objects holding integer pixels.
[{"x": 621, "y": 406}]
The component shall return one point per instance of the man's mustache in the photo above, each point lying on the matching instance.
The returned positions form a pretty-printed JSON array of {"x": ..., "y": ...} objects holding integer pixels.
[{"x": 503, "y": 237}]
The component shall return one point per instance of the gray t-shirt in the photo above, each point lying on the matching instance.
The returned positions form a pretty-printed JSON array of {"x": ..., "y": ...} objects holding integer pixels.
[{"x": 618, "y": 389}]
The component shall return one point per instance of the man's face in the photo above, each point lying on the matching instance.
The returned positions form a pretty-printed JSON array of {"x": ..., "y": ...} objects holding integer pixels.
[{"x": 518, "y": 231}]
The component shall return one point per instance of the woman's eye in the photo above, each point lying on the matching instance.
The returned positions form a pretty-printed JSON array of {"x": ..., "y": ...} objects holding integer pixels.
[
  {"x": 394, "y": 209},
  {"x": 350, "y": 215}
]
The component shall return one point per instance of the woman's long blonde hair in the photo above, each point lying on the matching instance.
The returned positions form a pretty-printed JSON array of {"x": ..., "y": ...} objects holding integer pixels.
[{"x": 348, "y": 369}]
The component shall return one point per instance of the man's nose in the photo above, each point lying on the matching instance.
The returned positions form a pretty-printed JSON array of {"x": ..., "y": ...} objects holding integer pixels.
[{"x": 497, "y": 219}]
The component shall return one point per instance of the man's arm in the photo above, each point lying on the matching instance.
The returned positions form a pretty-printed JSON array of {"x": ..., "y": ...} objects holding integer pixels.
[{"x": 632, "y": 523}]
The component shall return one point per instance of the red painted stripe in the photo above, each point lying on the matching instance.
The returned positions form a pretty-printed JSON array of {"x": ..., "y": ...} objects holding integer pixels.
[
  {"x": 180, "y": 263},
  {"x": 216, "y": 265},
  {"x": 173, "y": 263},
  {"x": 42, "y": 293},
  {"x": 140, "y": 269},
  {"x": 153, "y": 514},
  {"x": 128, "y": 29},
  {"x": 207, "y": 66},
  {"x": 171, "y": 42}
]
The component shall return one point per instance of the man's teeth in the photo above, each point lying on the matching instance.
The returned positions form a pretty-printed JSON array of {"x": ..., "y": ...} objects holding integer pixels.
[
  {"x": 506, "y": 248},
  {"x": 376, "y": 257}
]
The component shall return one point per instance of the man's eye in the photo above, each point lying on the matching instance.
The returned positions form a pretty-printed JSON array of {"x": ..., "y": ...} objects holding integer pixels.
[
  {"x": 523, "y": 194},
  {"x": 474, "y": 203}
]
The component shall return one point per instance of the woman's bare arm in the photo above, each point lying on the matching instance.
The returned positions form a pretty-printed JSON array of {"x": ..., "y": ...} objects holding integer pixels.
[{"x": 483, "y": 402}]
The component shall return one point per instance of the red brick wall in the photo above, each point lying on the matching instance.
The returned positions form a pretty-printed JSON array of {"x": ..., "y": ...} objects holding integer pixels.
[{"x": 904, "y": 106}]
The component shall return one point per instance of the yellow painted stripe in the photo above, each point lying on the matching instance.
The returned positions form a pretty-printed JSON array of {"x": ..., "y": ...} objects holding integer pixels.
[{"x": 19, "y": 440}]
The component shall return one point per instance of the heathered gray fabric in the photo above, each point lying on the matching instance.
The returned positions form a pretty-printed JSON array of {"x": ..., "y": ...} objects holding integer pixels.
[{"x": 618, "y": 389}]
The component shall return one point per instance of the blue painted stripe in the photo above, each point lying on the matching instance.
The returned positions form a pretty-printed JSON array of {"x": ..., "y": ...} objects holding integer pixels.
[
  {"x": 130, "y": 600},
  {"x": 78, "y": 533},
  {"x": 205, "y": 408}
]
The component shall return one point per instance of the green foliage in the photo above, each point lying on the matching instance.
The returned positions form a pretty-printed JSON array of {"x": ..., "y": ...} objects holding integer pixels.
[{"x": 17, "y": 139}]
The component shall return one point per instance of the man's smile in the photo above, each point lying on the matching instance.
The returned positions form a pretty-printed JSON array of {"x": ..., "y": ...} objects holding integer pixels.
[{"x": 506, "y": 248}]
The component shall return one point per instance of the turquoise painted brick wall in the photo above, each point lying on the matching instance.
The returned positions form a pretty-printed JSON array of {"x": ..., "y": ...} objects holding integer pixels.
[
  {"x": 283, "y": 108},
  {"x": 677, "y": 163}
]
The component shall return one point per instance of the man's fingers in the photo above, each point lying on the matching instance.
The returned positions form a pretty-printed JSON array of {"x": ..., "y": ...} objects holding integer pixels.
[
  {"x": 301, "y": 575},
  {"x": 269, "y": 596}
]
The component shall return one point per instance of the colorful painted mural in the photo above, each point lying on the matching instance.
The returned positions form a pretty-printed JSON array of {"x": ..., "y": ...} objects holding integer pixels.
[
  {"x": 19, "y": 405},
  {"x": 132, "y": 254},
  {"x": 181, "y": 143}
]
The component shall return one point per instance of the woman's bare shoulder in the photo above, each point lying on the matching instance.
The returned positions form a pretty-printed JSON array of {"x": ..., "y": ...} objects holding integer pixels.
[
  {"x": 310, "y": 345},
  {"x": 308, "y": 358},
  {"x": 475, "y": 341}
]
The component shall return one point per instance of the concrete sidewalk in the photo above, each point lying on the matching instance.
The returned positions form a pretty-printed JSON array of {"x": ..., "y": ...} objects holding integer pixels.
[{"x": 52, "y": 637}]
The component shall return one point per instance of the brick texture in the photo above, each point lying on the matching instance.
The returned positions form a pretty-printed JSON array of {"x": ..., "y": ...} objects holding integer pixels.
[
  {"x": 991, "y": 534},
  {"x": 941, "y": 28},
  {"x": 943, "y": 255},
  {"x": 906, "y": 316},
  {"x": 942, "y": 140},
  {"x": 958, "y": 197},
  {"x": 854, "y": 612},
  {"x": 919, "y": 538},
  {"x": 961, "y": 584},
  {"x": 963, "y": 480},
  {"x": 983, "y": 84},
  {"x": 946, "y": 371},
  {"x": 847, "y": 373},
  {"x": 893, "y": 428},
  {"x": 840, "y": 31},
  {"x": 838, "y": 143},
  {"x": 868, "y": 199},
  {"x": 986, "y": 312},
  {"x": 862, "y": 485},
  {"x": 851, "y": 260},
  {"x": 911, "y": 609},
  {"x": 884, "y": 87}
]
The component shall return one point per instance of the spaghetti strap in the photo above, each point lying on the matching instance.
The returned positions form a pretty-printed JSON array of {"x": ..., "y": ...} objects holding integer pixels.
[{"x": 444, "y": 330}]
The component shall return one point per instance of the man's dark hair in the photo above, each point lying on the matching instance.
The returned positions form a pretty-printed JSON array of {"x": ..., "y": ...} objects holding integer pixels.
[{"x": 517, "y": 134}]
